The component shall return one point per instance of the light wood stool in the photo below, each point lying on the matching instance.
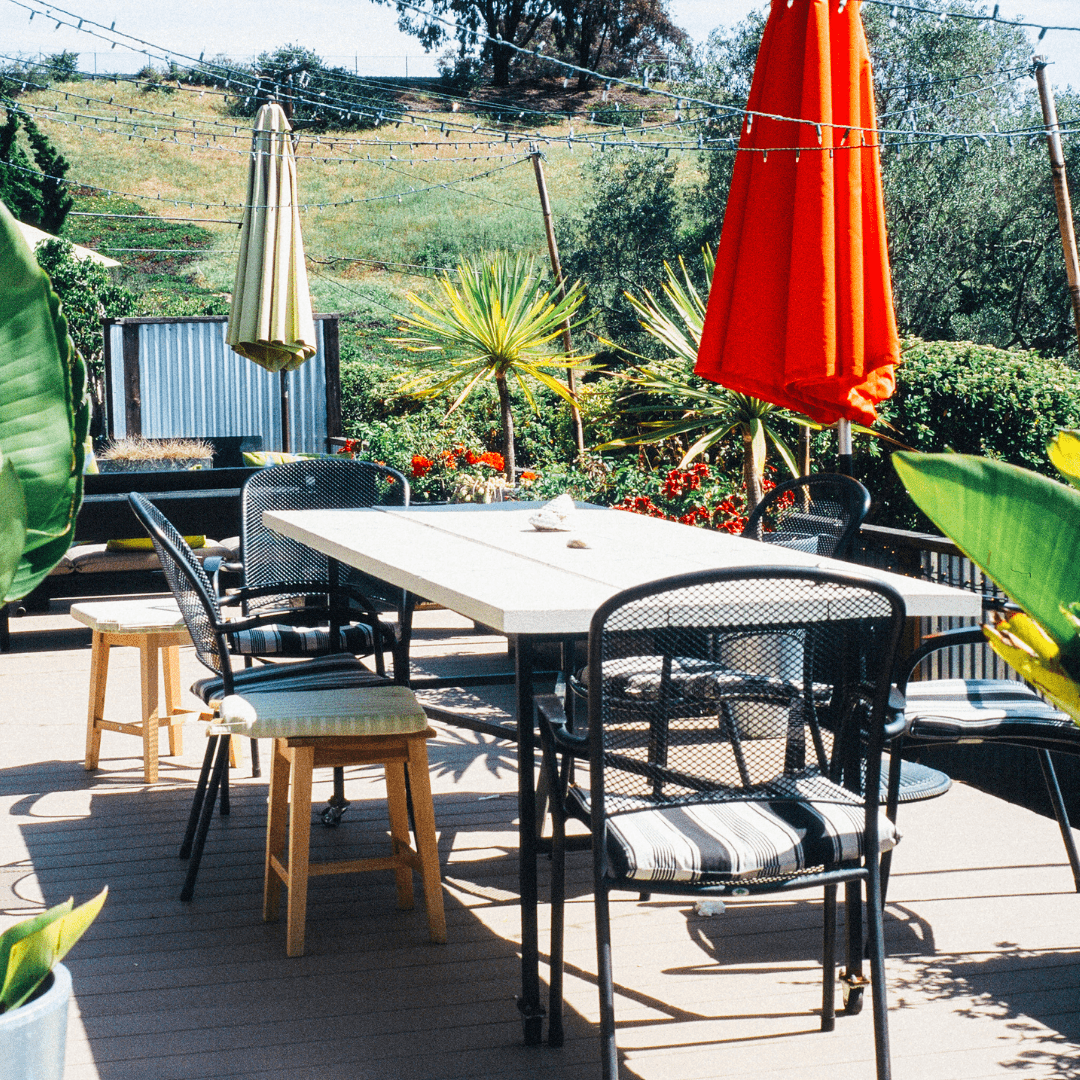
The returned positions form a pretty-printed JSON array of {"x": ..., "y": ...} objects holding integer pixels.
[
  {"x": 295, "y": 756},
  {"x": 151, "y": 626}
]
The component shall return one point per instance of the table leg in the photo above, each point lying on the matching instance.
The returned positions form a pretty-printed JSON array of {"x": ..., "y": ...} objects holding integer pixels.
[
  {"x": 170, "y": 668},
  {"x": 148, "y": 663},
  {"x": 532, "y": 1012},
  {"x": 99, "y": 673}
]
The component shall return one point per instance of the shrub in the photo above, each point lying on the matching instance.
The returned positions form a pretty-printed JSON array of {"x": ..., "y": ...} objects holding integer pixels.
[{"x": 974, "y": 399}]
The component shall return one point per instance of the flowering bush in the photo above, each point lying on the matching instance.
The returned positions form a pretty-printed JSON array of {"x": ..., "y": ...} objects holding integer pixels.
[
  {"x": 697, "y": 496},
  {"x": 459, "y": 474}
]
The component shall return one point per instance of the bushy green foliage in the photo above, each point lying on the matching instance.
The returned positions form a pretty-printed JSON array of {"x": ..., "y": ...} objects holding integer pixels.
[
  {"x": 974, "y": 399},
  {"x": 32, "y": 189}
]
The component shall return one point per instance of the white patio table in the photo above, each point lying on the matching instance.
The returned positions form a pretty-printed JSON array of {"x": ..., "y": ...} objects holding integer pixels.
[{"x": 490, "y": 565}]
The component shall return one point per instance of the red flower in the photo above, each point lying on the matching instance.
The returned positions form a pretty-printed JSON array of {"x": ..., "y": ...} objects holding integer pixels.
[
  {"x": 471, "y": 457},
  {"x": 420, "y": 465},
  {"x": 491, "y": 458},
  {"x": 350, "y": 447},
  {"x": 526, "y": 475}
]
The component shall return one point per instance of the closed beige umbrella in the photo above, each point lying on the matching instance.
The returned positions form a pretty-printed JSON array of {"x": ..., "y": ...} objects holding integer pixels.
[{"x": 270, "y": 321}]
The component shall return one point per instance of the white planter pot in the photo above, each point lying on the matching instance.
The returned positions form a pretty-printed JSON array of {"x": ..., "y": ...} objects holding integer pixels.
[{"x": 32, "y": 1037}]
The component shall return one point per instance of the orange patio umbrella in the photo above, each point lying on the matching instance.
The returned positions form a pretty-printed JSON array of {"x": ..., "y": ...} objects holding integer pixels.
[{"x": 801, "y": 313}]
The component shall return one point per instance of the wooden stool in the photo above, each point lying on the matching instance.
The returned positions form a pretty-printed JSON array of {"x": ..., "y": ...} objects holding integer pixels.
[
  {"x": 294, "y": 758},
  {"x": 151, "y": 626}
]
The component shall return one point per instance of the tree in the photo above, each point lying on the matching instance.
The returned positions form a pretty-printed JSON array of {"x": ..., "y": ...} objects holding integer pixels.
[
  {"x": 513, "y": 21},
  {"x": 612, "y": 36},
  {"x": 36, "y": 196},
  {"x": 493, "y": 325},
  {"x": 87, "y": 294}
]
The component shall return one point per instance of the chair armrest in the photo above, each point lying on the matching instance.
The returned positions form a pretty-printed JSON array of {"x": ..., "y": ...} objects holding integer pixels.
[
  {"x": 946, "y": 639},
  {"x": 896, "y": 721},
  {"x": 552, "y": 716}
]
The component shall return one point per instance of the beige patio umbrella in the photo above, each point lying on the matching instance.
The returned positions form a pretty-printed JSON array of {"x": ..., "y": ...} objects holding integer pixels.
[{"x": 270, "y": 321}]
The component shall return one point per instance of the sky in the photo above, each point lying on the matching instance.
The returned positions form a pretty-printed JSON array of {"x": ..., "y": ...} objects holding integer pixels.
[{"x": 364, "y": 34}]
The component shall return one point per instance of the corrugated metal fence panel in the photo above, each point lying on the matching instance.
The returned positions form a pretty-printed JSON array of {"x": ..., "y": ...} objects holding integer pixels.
[{"x": 193, "y": 385}]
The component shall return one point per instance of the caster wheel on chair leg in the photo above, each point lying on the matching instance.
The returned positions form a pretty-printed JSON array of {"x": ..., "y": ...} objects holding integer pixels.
[
  {"x": 332, "y": 815},
  {"x": 853, "y": 987}
]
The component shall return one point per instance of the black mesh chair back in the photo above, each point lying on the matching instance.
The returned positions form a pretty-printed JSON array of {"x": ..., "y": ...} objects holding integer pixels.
[
  {"x": 765, "y": 685},
  {"x": 818, "y": 514},
  {"x": 190, "y": 586},
  {"x": 317, "y": 484}
]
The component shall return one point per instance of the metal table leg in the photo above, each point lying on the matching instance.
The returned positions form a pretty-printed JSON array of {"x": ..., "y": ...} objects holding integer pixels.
[{"x": 532, "y": 1012}]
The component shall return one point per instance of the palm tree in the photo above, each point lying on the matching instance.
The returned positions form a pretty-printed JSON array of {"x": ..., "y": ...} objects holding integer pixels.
[
  {"x": 494, "y": 322},
  {"x": 704, "y": 409}
]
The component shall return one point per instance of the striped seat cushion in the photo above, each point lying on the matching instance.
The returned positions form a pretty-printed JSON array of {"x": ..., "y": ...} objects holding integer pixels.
[
  {"x": 640, "y": 678},
  {"x": 282, "y": 640},
  {"x": 972, "y": 709},
  {"x": 326, "y": 673},
  {"x": 372, "y": 710},
  {"x": 742, "y": 840}
]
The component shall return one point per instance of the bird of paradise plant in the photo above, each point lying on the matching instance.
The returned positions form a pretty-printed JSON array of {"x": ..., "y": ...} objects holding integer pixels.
[
  {"x": 1021, "y": 529},
  {"x": 706, "y": 411},
  {"x": 492, "y": 321}
]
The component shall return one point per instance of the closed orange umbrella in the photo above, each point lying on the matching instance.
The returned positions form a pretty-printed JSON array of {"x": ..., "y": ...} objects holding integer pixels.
[{"x": 801, "y": 313}]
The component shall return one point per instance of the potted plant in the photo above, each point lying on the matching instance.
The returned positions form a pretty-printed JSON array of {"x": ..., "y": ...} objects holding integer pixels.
[
  {"x": 37, "y": 987},
  {"x": 139, "y": 454}
]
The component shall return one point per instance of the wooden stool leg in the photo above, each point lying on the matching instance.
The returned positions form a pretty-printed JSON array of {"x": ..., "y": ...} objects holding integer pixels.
[
  {"x": 232, "y": 751},
  {"x": 398, "y": 805},
  {"x": 427, "y": 846},
  {"x": 99, "y": 673},
  {"x": 148, "y": 662},
  {"x": 277, "y": 820},
  {"x": 303, "y": 764},
  {"x": 170, "y": 668}
]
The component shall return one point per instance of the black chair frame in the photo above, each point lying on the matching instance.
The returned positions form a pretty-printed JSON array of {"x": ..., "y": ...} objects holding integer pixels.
[{"x": 562, "y": 746}]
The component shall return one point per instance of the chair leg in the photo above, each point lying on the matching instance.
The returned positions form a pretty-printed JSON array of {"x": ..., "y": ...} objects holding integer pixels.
[
  {"x": 217, "y": 774},
  {"x": 396, "y": 803},
  {"x": 1054, "y": 791},
  {"x": 200, "y": 795},
  {"x": 148, "y": 666},
  {"x": 609, "y": 1055},
  {"x": 277, "y": 821},
  {"x": 854, "y": 980},
  {"x": 876, "y": 934},
  {"x": 427, "y": 845},
  {"x": 256, "y": 768},
  {"x": 303, "y": 762},
  {"x": 828, "y": 988}
]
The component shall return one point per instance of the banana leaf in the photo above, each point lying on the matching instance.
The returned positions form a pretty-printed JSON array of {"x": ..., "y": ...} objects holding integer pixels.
[
  {"x": 12, "y": 524},
  {"x": 1020, "y": 528},
  {"x": 29, "y": 949},
  {"x": 44, "y": 413}
]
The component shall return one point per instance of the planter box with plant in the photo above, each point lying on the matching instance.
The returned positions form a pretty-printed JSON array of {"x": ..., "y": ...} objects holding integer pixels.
[{"x": 139, "y": 454}]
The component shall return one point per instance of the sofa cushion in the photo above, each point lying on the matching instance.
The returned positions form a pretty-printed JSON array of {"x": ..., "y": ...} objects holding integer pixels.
[{"x": 95, "y": 559}]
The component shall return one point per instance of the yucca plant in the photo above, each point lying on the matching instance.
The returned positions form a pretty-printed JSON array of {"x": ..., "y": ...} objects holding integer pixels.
[
  {"x": 491, "y": 321},
  {"x": 707, "y": 412}
]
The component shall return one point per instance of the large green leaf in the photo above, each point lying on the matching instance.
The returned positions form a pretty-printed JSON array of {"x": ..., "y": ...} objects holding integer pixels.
[
  {"x": 39, "y": 943},
  {"x": 1021, "y": 528},
  {"x": 12, "y": 524},
  {"x": 44, "y": 414}
]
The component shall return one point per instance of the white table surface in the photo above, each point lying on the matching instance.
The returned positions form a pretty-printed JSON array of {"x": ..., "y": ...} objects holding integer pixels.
[{"x": 489, "y": 564}]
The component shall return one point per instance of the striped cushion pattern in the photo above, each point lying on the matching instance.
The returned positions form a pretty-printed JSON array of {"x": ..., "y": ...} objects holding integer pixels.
[
  {"x": 372, "y": 710},
  {"x": 967, "y": 708},
  {"x": 336, "y": 672},
  {"x": 742, "y": 840},
  {"x": 282, "y": 640}
]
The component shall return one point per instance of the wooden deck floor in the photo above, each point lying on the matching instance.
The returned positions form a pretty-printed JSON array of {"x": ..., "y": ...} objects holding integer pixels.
[{"x": 984, "y": 966}]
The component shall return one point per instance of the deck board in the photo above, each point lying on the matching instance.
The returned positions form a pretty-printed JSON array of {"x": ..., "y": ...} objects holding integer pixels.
[{"x": 984, "y": 957}]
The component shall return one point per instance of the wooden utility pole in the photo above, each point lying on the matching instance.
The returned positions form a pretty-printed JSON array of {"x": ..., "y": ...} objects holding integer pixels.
[
  {"x": 560, "y": 288},
  {"x": 1061, "y": 187}
]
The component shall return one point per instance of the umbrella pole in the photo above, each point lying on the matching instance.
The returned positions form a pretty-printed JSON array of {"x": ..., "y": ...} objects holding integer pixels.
[
  {"x": 843, "y": 457},
  {"x": 283, "y": 377}
]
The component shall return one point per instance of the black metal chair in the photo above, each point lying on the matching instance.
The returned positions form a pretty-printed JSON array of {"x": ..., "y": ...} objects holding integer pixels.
[
  {"x": 942, "y": 712},
  {"x": 819, "y": 514},
  {"x": 343, "y": 604},
  {"x": 735, "y": 734},
  {"x": 211, "y": 634}
]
